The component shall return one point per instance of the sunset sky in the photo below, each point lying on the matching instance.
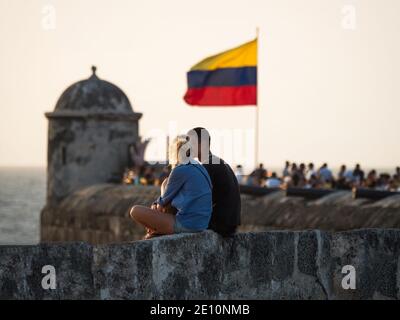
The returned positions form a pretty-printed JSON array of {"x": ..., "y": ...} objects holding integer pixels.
[{"x": 329, "y": 87}]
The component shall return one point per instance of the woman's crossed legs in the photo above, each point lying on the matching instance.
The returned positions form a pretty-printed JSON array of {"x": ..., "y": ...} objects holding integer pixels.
[
  {"x": 158, "y": 222},
  {"x": 154, "y": 221}
]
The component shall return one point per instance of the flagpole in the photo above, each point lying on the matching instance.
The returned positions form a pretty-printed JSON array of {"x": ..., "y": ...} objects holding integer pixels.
[{"x": 256, "y": 128}]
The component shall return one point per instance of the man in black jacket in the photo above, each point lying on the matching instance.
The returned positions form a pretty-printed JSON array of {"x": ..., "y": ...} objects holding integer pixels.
[{"x": 225, "y": 193}]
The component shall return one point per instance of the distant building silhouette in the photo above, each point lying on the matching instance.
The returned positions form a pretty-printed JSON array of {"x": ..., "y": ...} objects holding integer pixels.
[{"x": 89, "y": 135}]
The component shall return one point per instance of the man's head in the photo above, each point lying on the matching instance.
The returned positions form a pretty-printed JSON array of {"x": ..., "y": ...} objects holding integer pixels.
[{"x": 200, "y": 140}]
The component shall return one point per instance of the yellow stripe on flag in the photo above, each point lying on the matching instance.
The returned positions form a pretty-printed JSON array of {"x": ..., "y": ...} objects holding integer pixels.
[{"x": 243, "y": 56}]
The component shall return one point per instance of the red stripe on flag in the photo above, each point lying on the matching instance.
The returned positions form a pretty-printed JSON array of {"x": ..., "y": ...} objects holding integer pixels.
[{"x": 222, "y": 96}]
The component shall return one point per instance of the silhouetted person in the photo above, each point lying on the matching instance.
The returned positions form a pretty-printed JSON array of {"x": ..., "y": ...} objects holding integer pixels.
[
  {"x": 302, "y": 174},
  {"x": 239, "y": 173},
  {"x": 286, "y": 171},
  {"x": 225, "y": 188},
  {"x": 342, "y": 182},
  {"x": 342, "y": 172},
  {"x": 358, "y": 174},
  {"x": 273, "y": 181},
  {"x": 325, "y": 173},
  {"x": 310, "y": 171},
  {"x": 260, "y": 174},
  {"x": 313, "y": 182},
  {"x": 293, "y": 168},
  {"x": 383, "y": 182},
  {"x": 295, "y": 175},
  {"x": 371, "y": 181}
]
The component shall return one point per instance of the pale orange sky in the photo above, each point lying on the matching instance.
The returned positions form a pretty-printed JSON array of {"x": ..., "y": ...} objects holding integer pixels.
[{"x": 326, "y": 93}]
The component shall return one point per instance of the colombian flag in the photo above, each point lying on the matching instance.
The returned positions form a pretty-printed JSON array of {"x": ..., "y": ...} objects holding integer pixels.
[{"x": 225, "y": 79}]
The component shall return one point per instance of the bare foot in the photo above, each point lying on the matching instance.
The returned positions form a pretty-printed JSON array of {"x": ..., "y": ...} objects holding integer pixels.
[{"x": 150, "y": 235}]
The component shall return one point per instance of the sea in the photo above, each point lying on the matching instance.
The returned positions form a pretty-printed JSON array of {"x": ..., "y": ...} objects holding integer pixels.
[{"x": 22, "y": 196}]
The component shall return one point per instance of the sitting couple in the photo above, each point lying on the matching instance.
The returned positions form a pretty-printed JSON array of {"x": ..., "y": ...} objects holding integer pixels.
[{"x": 200, "y": 193}]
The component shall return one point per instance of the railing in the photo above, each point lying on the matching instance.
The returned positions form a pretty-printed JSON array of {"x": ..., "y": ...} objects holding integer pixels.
[{"x": 372, "y": 194}]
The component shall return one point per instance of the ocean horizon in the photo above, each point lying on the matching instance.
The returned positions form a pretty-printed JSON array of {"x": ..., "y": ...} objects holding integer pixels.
[{"x": 22, "y": 196}]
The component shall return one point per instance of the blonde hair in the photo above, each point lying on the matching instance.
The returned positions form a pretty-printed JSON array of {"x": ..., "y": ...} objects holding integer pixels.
[{"x": 178, "y": 151}]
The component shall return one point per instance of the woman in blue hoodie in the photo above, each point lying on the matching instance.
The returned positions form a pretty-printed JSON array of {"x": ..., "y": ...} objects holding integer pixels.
[{"x": 188, "y": 190}]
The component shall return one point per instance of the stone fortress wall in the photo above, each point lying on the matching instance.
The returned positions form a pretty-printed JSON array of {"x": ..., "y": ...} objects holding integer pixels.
[
  {"x": 361, "y": 264},
  {"x": 100, "y": 213}
]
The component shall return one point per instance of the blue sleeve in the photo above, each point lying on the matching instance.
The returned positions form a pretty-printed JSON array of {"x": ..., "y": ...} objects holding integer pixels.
[{"x": 175, "y": 181}]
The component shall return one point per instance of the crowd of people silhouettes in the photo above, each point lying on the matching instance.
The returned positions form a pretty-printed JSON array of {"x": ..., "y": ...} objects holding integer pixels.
[
  {"x": 308, "y": 176},
  {"x": 292, "y": 175}
]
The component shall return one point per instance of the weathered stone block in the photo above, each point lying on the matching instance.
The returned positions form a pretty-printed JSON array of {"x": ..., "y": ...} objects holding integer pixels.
[
  {"x": 375, "y": 255},
  {"x": 21, "y": 271}
]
